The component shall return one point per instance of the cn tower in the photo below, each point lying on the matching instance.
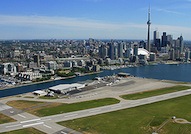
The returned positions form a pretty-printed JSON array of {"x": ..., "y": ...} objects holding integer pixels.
[{"x": 148, "y": 37}]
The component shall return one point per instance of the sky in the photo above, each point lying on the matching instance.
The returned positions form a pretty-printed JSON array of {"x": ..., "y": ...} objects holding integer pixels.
[{"x": 98, "y": 19}]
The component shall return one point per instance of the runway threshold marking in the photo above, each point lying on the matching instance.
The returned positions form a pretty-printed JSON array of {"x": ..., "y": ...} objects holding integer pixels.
[
  {"x": 63, "y": 132},
  {"x": 21, "y": 116},
  {"x": 34, "y": 124},
  {"x": 70, "y": 115},
  {"x": 30, "y": 121},
  {"x": 47, "y": 126},
  {"x": 13, "y": 125}
]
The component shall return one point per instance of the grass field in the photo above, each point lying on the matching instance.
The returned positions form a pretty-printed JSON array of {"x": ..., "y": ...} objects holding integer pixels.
[
  {"x": 5, "y": 119},
  {"x": 64, "y": 108},
  {"x": 25, "y": 131},
  {"x": 154, "y": 92},
  {"x": 22, "y": 104},
  {"x": 139, "y": 120},
  {"x": 41, "y": 109}
]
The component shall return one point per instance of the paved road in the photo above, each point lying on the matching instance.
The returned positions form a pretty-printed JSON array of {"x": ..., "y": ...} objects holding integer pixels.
[{"x": 46, "y": 123}]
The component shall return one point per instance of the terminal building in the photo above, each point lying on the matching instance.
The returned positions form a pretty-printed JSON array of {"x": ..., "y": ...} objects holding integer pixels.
[{"x": 65, "y": 88}]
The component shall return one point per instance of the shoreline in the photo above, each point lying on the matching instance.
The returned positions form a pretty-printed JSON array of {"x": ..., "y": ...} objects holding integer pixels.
[{"x": 50, "y": 80}]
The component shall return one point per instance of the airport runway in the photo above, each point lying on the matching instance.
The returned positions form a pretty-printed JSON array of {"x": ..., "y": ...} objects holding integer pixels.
[{"x": 48, "y": 123}]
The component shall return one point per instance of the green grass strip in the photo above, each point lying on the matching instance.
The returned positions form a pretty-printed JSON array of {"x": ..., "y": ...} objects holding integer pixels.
[
  {"x": 139, "y": 120},
  {"x": 154, "y": 92},
  {"x": 64, "y": 108},
  {"x": 5, "y": 119}
]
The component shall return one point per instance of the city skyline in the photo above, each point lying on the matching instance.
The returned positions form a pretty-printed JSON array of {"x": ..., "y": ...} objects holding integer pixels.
[{"x": 99, "y": 19}]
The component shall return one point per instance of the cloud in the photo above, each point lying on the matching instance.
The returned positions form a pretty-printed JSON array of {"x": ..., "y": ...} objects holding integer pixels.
[
  {"x": 59, "y": 27},
  {"x": 62, "y": 22},
  {"x": 169, "y": 11}
]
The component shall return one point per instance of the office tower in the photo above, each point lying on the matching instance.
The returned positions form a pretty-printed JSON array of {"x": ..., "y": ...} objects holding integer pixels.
[
  {"x": 111, "y": 50},
  {"x": 37, "y": 60},
  {"x": 148, "y": 37},
  {"x": 115, "y": 52},
  {"x": 135, "y": 50},
  {"x": 120, "y": 50},
  {"x": 170, "y": 40},
  {"x": 187, "y": 55},
  {"x": 155, "y": 37},
  {"x": 181, "y": 44},
  {"x": 164, "y": 40}
]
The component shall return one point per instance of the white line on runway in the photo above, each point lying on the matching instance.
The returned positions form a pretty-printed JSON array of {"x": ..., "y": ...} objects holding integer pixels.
[
  {"x": 30, "y": 120},
  {"x": 71, "y": 115},
  {"x": 63, "y": 132},
  {"x": 21, "y": 115},
  {"x": 46, "y": 120},
  {"x": 95, "y": 111},
  {"x": 47, "y": 126},
  {"x": 34, "y": 124},
  {"x": 13, "y": 125}
]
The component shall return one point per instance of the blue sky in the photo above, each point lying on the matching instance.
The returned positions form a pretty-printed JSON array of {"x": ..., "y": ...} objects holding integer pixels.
[{"x": 99, "y": 19}]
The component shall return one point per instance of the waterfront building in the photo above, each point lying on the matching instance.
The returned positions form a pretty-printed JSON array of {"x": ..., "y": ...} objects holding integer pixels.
[
  {"x": 96, "y": 68},
  {"x": 8, "y": 68},
  {"x": 52, "y": 65},
  {"x": 81, "y": 63},
  {"x": 68, "y": 64},
  {"x": 172, "y": 54},
  {"x": 152, "y": 57},
  {"x": 187, "y": 55}
]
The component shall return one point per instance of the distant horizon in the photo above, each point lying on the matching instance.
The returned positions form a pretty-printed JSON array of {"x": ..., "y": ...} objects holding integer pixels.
[{"x": 81, "y": 19}]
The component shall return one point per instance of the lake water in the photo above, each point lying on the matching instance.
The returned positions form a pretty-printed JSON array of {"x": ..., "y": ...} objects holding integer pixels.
[{"x": 181, "y": 72}]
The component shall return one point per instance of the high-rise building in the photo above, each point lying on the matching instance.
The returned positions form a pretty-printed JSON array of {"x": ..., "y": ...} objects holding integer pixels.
[
  {"x": 120, "y": 50},
  {"x": 135, "y": 50},
  {"x": 148, "y": 36},
  {"x": 111, "y": 50},
  {"x": 181, "y": 44},
  {"x": 170, "y": 40},
  {"x": 164, "y": 40},
  {"x": 155, "y": 36},
  {"x": 37, "y": 60}
]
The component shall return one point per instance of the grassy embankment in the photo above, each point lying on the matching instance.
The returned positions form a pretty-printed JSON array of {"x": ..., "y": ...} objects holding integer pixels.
[
  {"x": 5, "y": 119},
  {"x": 154, "y": 92},
  {"x": 41, "y": 109},
  {"x": 139, "y": 120}
]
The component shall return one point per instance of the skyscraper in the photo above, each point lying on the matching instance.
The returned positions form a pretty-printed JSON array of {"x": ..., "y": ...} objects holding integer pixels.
[
  {"x": 148, "y": 37},
  {"x": 181, "y": 44},
  {"x": 164, "y": 39},
  {"x": 155, "y": 37}
]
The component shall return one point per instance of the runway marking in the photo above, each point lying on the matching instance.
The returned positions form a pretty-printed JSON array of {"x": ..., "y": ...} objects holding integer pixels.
[
  {"x": 21, "y": 115},
  {"x": 47, "y": 126},
  {"x": 34, "y": 124},
  {"x": 71, "y": 115},
  {"x": 95, "y": 111},
  {"x": 30, "y": 120},
  {"x": 13, "y": 125},
  {"x": 46, "y": 120},
  {"x": 63, "y": 132}
]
